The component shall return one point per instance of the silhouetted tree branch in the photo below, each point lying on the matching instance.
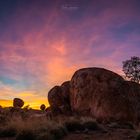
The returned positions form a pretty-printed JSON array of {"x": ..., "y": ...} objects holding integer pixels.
[{"x": 131, "y": 68}]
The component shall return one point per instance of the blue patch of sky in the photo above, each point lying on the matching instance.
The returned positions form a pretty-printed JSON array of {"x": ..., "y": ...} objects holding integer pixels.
[
  {"x": 121, "y": 33},
  {"x": 7, "y": 81},
  {"x": 18, "y": 85}
]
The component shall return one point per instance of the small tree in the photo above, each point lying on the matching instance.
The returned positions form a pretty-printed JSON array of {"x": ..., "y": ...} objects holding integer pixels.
[{"x": 131, "y": 68}]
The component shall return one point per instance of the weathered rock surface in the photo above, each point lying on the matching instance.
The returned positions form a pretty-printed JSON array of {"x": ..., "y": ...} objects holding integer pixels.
[
  {"x": 100, "y": 93},
  {"x": 104, "y": 95},
  {"x": 59, "y": 99},
  {"x": 17, "y": 102}
]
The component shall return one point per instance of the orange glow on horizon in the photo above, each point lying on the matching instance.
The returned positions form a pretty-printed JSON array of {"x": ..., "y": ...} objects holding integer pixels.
[{"x": 35, "y": 104}]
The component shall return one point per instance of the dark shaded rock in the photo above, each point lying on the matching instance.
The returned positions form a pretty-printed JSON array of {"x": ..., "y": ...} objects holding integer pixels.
[
  {"x": 43, "y": 107},
  {"x": 17, "y": 102},
  {"x": 58, "y": 98},
  {"x": 49, "y": 113}
]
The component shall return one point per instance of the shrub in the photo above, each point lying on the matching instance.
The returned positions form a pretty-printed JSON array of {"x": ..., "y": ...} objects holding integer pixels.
[
  {"x": 7, "y": 132},
  {"x": 26, "y": 135},
  {"x": 74, "y": 126},
  {"x": 45, "y": 136},
  {"x": 138, "y": 137},
  {"x": 91, "y": 125},
  {"x": 2, "y": 119},
  {"x": 127, "y": 125},
  {"x": 59, "y": 132}
]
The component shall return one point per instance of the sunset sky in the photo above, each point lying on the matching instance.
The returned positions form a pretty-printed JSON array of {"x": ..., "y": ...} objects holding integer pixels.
[{"x": 42, "y": 42}]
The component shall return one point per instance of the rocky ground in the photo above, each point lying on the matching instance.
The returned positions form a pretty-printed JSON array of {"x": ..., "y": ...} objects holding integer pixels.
[{"x": 108, "y": 134}]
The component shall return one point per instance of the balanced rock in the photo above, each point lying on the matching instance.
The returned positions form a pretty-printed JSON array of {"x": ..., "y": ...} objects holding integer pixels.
[
  {"x": 43, "y": 107},
  {"x": 58, "y": 98},
  {"x": 17, "y": 102},
  {"x": 104, "y": 94}
]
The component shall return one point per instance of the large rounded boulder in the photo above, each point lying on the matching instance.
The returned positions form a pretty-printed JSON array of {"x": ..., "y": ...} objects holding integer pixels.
[
  {"x": 18, "y": 103},
  {"x": 59, "y": 98},
  {"x": 104, "y": 94}
]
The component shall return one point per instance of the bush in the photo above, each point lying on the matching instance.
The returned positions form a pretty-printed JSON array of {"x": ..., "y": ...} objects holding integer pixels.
[
  {"x": 91, "y": 125},
  {"x": 2, "y": 119},
  {"x": 59, "y": 132},
  {"x": 74, "y": 126},
  {"x": 7, "y": 132},
  {"x": 45, "y": 136},
  {"x": 26, "y": 135},
  {"x": 138, "y": 137},
  {"x": 126, "y": 125}
]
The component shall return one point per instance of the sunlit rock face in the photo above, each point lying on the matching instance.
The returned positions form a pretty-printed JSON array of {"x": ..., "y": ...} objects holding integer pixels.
[
  {"x": 97, "y": 92},
  {"x": 104, "y": 94},
  {"x": 58, "y": 98}
]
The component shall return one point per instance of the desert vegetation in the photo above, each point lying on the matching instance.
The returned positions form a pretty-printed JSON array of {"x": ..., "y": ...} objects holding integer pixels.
[
  {"x": 37, "y": 126},
  {"x": 29, "y": 124},
  {"x": 24, "y": 124}
]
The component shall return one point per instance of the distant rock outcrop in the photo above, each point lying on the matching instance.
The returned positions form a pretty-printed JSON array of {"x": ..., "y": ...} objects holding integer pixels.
[
  {"x": 18, "y": 103},
  {"x": 100, "y": 93},
  {"x": 42, "y": 107}
]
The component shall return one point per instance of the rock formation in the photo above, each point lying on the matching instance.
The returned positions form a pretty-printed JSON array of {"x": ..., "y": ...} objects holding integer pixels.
[
  {"x": 59, "y": 99},
  {"x": 18, "y": 103},
  {"x": 42, "y": 107},
  {"x": 100, "y": 93},
  {"x": 104, "y": 95}
]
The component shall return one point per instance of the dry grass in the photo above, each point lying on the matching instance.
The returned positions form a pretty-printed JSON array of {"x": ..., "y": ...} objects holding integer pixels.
[
  {"x": 37, "y": 128},
  {"x": 41, "y": 128}
]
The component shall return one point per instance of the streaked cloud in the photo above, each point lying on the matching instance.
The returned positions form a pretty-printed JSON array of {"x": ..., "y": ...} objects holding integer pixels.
[{"x": 42, "y": 45}]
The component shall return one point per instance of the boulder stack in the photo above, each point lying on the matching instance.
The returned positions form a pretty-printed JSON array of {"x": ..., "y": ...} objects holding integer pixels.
[{"x": 100, "y": 93}]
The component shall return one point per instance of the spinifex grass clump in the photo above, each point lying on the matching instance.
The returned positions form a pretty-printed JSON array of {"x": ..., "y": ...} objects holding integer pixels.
[
  {"x": 91, "y": 125},
  {"x": 40, "y": 128},
  {"x": 138, "y": 137},
  {"x": 26, "y": 135},
  {"x": 2, "y": 119},
  {"x": 74, "y": 126},
  {"x": 45, "y": 136},
  {"x": 81, "y": 124},
  {"x": 59, "y": 132},
  {"x": 7, "y": 132}
]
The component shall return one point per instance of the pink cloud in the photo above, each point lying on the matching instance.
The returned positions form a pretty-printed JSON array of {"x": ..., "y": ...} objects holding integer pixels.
[{"x": 51, "y": 53}]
